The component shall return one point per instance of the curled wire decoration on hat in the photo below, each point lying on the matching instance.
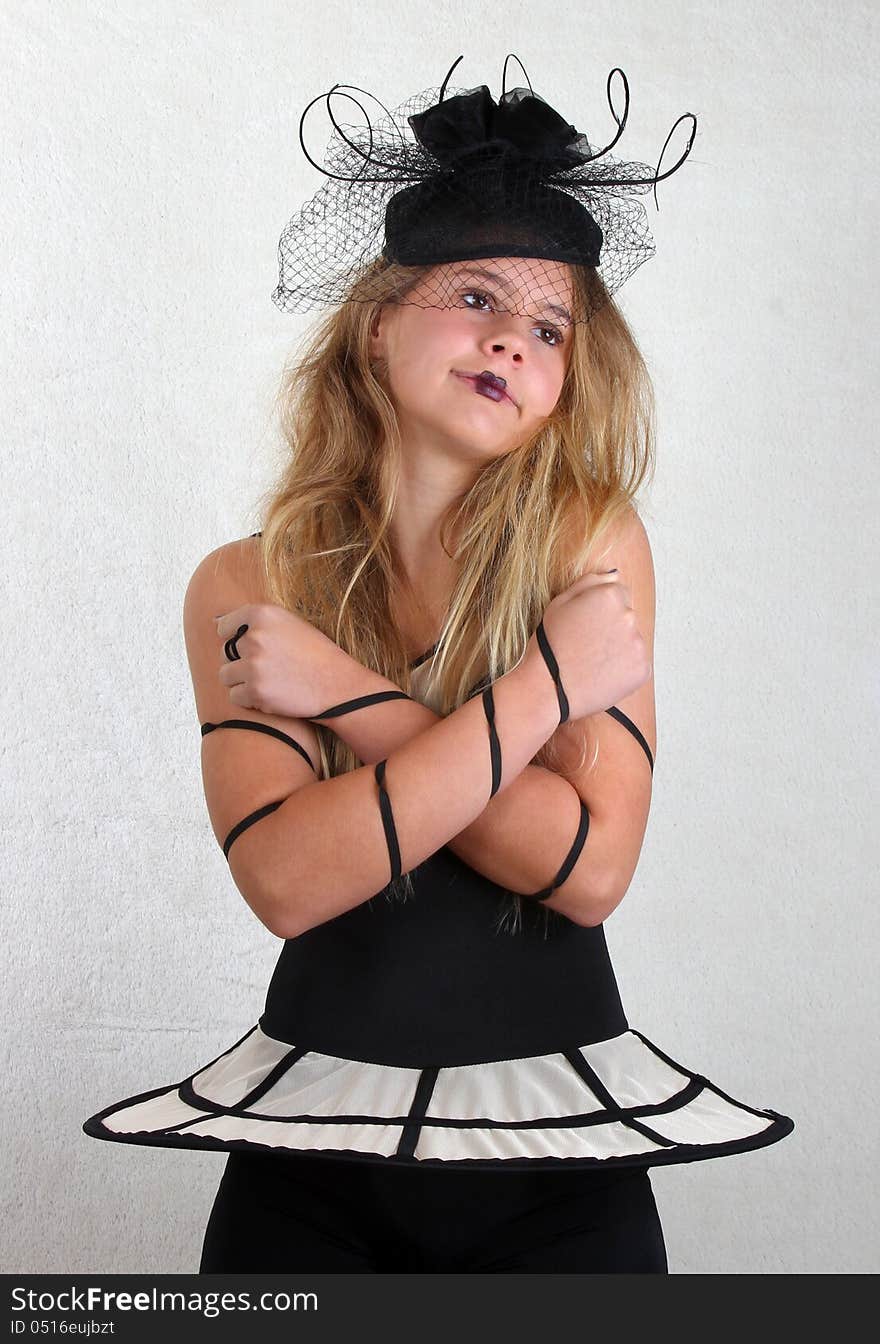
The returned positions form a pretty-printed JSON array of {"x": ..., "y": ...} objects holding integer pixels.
[
  {"x": 510, "y": 56},
  {"x": 452, "y": 177}
]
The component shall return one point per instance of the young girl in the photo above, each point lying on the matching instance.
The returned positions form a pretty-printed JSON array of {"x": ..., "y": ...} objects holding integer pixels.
[{"x": 438, "y": 650}]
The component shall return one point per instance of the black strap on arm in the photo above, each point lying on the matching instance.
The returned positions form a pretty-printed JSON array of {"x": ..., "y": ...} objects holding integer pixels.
[
  {"x": 260, "y": 728},
  {"x": 385, "y": 808},
  {"x": 494, "y": 744},
  {"x": 583, "y": 829},
  {"x": 388, "y": 821},
  {"x": 348, "y": 705},
  {"x": 268, "y": 807},
  {"x": 571, "y": 858},
  {"x": 249, "y": 821},
  {"x": 619, "y": 715},
  {"x": 553, "y": 666}
]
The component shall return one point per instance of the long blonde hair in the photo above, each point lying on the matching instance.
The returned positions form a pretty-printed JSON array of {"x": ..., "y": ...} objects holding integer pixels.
[{"x": 524, "y": 529}]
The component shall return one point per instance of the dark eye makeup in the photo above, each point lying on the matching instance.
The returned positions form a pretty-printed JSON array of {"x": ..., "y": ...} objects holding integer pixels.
[{"x": 483, "y": 294}]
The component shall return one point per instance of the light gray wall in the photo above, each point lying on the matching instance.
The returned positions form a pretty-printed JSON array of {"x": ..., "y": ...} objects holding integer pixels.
[{"x": 151, "y": 161}]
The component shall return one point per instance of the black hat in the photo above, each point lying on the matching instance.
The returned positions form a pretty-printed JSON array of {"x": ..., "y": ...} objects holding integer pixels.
[{"x": 474, "y": 179}]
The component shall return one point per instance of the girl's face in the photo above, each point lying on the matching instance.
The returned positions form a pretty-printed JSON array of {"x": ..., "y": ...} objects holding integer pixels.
[{"x": 430, "y": 351}]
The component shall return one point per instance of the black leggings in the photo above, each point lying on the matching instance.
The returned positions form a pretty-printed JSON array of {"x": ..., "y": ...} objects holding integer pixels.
[{"x": 289, "y": 1213}]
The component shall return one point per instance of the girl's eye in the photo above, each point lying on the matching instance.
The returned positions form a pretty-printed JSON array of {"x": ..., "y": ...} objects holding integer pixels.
[
  {"x": 479, "y": 294},
  {"x": 473, "y": 294}
]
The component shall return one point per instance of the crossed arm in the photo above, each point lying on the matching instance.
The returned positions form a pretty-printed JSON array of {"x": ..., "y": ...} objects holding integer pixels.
[
  {"x": 523, "y": 835},
  {"x": 521, "y": 838},
  {"x": 537, "y": 826}
]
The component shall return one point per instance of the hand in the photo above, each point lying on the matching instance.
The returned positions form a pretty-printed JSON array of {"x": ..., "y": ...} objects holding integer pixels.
[
  {"x": 286, "y": 666},
  {"x": 592, "y": 631}
]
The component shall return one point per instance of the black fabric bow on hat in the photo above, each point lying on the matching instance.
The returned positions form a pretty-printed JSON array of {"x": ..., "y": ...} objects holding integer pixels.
[{"x": 521, "y": 124}]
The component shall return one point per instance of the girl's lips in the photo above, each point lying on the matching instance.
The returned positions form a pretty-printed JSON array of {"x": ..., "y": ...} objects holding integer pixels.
[{"x": 485, "y": 388}]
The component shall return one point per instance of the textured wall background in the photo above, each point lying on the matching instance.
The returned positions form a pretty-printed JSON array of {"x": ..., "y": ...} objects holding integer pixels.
[{"x": 150, "y": 161}]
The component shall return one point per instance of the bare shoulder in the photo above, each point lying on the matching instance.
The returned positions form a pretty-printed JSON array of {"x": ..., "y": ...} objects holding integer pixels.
[
  {"x": 623, "y": 545},
  {"x": 236, "y": 564},
  {"x": 238, "y": 558},
  {"x": 625, "y": 537},
  {"x": 630, "y": 536}
]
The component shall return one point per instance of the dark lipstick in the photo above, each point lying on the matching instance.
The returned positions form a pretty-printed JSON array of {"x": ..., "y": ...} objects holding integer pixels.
[{"x": 489, "y": 384}]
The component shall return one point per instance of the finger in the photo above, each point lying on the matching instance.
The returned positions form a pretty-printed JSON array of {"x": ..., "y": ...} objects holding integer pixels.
[
  {"x": 594, "y": 576},
  {"x": 231, "y": 620},
  {"x": 239, "y": 696},
  {"x": 233, "y": 674},
  {"x": 625, "y": 592}
]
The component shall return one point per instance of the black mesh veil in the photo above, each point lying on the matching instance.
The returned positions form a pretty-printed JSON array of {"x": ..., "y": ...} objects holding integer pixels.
[{"x": 454, "y": 177}]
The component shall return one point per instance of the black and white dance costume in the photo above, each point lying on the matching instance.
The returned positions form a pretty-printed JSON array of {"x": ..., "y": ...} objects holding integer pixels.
[{"x": 424, "y": 1084}]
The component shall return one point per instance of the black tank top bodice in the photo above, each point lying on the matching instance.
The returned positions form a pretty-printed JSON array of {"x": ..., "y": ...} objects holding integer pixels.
[{"x": 428, "y": 980}]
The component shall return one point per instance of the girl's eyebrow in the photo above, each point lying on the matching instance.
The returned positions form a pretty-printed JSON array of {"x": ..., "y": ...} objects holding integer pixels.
[{"x": 505, "y": 284}]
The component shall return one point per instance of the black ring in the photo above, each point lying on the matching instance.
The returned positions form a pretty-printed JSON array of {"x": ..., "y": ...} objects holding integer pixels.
[{"x": 230, "y": 646}]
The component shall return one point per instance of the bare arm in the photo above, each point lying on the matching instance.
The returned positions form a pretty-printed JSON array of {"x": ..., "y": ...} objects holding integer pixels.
[
  {"x": 522, "y": 835},
  {"x": 334, "y": 843},
  {"x": 526, "y": 824}
]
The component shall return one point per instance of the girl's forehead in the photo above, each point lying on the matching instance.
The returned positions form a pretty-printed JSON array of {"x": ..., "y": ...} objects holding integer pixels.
[{"x": 526, "y": 272}]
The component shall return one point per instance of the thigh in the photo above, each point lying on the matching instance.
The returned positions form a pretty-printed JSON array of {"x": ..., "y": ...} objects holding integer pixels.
[
  {"x": 281, "y": 1215},
  {"x": 604, "y": 1227}
]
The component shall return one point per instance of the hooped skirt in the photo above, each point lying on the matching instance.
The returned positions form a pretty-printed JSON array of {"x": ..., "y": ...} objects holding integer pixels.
[{"x": 616, "y": 1102}]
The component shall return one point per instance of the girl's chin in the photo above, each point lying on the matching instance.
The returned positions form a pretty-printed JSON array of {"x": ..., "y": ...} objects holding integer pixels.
[{"x": 487, "y": 422}]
